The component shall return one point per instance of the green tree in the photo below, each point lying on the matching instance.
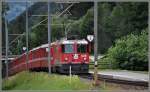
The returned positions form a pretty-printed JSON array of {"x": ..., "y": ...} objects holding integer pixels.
[
  {"x": 130, "y": 52},
  {"x": 83, "y": 26},
  {"x": 120, "y": 19}
]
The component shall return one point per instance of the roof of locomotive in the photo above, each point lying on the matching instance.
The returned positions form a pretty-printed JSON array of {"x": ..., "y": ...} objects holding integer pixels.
[
  {"x": 42, "y": 46},
  {"x": 74, "y": 41},
  {"x": 62, "y": 42}
]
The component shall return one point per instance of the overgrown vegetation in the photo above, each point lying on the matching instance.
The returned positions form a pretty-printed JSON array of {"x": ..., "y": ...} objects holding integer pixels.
[
  {"x": 43, "y": 81},
  {"x": 129, "y": 52},
  {"x": 114, "y": 21},
  {"x": 120, "y": 19}
]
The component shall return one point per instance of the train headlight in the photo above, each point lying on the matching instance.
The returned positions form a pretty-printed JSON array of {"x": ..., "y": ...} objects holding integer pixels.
[
  {"x": 46, "y": 49},
  {"x": 66, "y": 59},
  {"x": 51, "y": 58},
  {"x": 84, "y": 58}
]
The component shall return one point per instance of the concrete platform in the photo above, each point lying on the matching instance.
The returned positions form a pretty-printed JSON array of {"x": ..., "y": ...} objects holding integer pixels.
[{"x": 125, "y": 75}]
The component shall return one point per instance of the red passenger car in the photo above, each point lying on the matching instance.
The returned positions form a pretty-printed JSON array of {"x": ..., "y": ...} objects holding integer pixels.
[{"x": 64, "y": 53}]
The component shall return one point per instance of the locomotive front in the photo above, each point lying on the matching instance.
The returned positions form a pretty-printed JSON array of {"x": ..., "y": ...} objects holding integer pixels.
[{"x": 75, "y": 54}]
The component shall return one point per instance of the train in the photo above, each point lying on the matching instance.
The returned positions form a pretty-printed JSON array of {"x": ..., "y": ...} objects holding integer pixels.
[{"x": 64, "y": 54}]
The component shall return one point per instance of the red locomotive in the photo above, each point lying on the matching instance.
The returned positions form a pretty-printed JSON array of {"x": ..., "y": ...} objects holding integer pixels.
[{"x": 64, "y": 53}]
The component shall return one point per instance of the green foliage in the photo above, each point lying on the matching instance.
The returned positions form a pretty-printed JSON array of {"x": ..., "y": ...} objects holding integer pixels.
[
  {"x": 44, "y": 81},
  {"x": 130, "y": 52},
  {"x": 120, "y": 19},
  {"x": 83, "y": 26},
  {"x": 114, "y": 21},
  {"x": 39, "y": 35}
]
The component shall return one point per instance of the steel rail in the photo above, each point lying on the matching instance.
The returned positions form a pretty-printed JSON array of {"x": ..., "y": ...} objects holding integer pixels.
[{"x": 110, "y": 79}]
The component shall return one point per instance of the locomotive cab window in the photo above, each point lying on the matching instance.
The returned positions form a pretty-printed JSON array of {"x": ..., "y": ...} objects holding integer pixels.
[
  {"x": 81, "y": 48},
  {"x": 67, "y": 48}
]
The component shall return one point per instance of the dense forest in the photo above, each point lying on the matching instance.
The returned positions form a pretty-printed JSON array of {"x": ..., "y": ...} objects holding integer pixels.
[
  {"x": 122, "y": 30},
  {"x": 126, "y": 26}
]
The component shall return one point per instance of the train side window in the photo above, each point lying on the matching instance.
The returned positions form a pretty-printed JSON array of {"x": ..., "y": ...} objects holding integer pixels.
[{"x": 63, "y": 48}]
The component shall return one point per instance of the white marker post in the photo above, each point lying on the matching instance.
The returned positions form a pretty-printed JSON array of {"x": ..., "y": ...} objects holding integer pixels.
[
  {"x": 90, "y": 39},
  {"x": 70, "y": 73}
]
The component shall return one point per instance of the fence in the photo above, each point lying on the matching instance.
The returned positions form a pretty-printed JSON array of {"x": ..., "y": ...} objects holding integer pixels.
[{"x": 101, "y": 65}]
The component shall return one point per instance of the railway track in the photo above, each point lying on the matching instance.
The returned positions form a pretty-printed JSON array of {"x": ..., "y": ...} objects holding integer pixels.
[{"x": 110, "y": 79}]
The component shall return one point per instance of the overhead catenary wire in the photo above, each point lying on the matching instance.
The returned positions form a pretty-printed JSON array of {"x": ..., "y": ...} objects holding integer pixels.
[
  {"x": 26, "y": 33},
  {"x": 40, "y": 23},
  {"x": 57, "y": 16}
]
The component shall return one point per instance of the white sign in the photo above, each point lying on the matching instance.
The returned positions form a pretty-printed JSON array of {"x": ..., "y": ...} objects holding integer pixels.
[
  {"x": 47, "y": 49},
  {"x": 90, "y": 37},
  {"x": 24, "y": 48},
  {"x": 75, "y": 56}
]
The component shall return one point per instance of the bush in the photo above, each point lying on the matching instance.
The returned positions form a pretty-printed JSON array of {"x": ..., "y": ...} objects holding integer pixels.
[{"x": 130, "y": 52}]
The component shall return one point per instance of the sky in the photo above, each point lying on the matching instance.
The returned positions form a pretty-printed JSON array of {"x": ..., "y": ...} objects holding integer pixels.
[{"x": 15, "y": 9}]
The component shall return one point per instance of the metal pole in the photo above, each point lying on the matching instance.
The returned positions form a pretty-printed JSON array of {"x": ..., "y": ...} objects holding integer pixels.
[
  {"x": 1, "y": 44},
  {"x": 49, "y": 39},
  {"x": 95, "y": 44},
  {"x": 27, "y": 37},
  {"x": 6, "y": 44},
  {"x": 149, "y": 41}
]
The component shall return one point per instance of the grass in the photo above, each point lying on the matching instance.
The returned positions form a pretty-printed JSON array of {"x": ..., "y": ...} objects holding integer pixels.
[{"x": 43, "y": 81}]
